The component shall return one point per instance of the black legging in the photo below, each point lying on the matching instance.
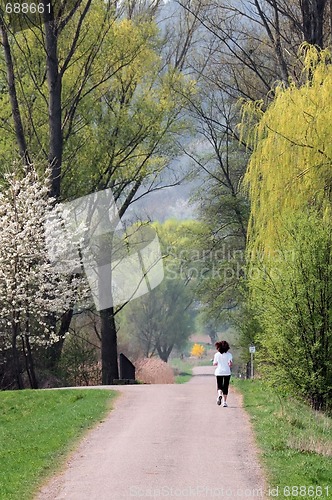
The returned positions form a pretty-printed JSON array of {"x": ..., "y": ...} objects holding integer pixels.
[{"x": 223, "y": 383}]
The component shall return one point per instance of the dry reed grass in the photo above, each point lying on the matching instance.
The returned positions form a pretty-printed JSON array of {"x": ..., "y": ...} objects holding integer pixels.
[
  {"x": 311, "y": 444},
  {"x": 154, "y": 371},
  {"x": 148, "y": 371}
]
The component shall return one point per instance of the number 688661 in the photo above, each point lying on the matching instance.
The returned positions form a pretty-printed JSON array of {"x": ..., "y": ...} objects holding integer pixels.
[{"x": 27, "y": 8}]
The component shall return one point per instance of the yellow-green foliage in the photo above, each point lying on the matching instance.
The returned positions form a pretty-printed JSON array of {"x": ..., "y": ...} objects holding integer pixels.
[
  {"x": 289, "y": 178},
  {"x": 197, "y": 350},
  {"x": 290, "y": 168},
  {"x": 120, "y": 103}
]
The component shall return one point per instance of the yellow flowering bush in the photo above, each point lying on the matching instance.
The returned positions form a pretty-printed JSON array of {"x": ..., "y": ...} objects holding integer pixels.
[{"x": 197, "y": 350}]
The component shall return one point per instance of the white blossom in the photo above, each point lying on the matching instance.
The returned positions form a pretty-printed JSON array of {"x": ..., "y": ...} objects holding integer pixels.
[{"x": 30, "y": 287}]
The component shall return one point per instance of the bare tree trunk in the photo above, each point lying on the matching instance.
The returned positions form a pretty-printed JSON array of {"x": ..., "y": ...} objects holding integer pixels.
[
  {"x": 18, "y": 125},
  {"x": 313, "y": 21},
  {"x": 274, "y": 37},
  {"x": 54, "y": 105},
  {"x": 29, "y": 364},
  {"x": 16, "y": 359}
]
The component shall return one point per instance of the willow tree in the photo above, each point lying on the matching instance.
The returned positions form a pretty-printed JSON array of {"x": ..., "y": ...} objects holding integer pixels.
[{"x": 289, "y": 250}]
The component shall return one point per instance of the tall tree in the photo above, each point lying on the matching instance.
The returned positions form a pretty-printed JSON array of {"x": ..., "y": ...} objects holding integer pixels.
[
  {"x": 254, "y": 44},
  {"x": 163, "y": 319},
  {"x": 219, "y": 160},
  {"x": 289, "y": 176},
  {"x": 160, "y": 321}
]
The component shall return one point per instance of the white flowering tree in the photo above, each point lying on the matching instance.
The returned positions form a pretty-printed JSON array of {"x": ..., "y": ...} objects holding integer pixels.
[{"x": 34, "y": 294}]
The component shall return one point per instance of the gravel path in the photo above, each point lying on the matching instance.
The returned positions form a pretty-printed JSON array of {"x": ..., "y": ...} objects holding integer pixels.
[{"x": 165, "y": 441}]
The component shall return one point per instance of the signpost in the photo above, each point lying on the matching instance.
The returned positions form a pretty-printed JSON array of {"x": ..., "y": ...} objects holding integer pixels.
[{"x": 252, "y": 350}]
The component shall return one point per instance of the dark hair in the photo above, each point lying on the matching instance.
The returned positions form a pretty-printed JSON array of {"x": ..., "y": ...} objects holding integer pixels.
[{"x": 222, "y": 346}]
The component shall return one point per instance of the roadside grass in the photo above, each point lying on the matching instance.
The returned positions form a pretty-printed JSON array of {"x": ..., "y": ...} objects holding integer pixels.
[
  {"x": 182, "y": 370},
  {"x": 38, "y": 429},
  {"x": 295, "y": 442}
]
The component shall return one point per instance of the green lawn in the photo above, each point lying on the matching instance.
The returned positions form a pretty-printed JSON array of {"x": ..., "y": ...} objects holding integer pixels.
[
  {"x": 38, "y": 429},
  {"x": 295, "y": 441}
]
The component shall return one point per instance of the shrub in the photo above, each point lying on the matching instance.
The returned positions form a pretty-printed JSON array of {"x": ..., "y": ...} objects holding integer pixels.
[
  {"x": 197, "y": 350},
  {"x": 154, "y": 371}
]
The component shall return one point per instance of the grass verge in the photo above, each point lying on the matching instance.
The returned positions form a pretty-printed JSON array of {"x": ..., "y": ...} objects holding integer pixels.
[
  {"x": 182, "y": 370},
  {"x": 38, "y": 429},
  {"x": 295, "y": 441}
]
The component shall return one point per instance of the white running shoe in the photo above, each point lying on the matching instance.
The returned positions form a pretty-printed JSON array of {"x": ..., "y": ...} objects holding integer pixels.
[
  {"x": 219, "y": 400},
  {"x": 225, "y": 404}
]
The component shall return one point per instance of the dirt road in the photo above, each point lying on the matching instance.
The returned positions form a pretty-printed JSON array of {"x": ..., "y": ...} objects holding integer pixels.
[{"x": 165, "y": 441}]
